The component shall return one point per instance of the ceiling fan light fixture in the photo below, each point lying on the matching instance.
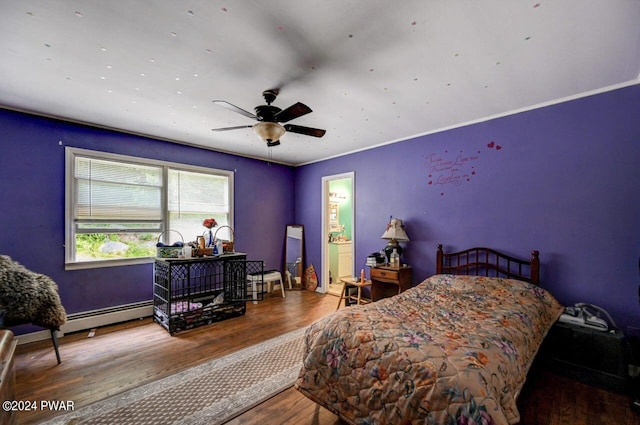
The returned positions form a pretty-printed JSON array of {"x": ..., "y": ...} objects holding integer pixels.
[{"x": 269, "y": 132}]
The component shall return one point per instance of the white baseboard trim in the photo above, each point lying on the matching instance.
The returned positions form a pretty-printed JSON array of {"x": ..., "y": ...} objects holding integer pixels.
[
  {"x": 33, "y": 337},
  {"x": 93, "y": 319}
]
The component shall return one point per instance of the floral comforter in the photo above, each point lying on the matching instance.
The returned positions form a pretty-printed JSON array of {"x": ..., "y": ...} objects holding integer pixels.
[{"x": 452, "y": 350}]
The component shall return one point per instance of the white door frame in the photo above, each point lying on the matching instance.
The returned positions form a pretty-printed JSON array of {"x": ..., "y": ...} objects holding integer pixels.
[{"x": 324, "y": 284}]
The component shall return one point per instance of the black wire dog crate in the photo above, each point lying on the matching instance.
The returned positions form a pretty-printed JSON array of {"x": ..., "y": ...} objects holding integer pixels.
[{"x": 188, "y": 293}]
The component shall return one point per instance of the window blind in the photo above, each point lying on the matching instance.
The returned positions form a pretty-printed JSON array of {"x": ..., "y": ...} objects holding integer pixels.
[{"x": 116, "y": 191}]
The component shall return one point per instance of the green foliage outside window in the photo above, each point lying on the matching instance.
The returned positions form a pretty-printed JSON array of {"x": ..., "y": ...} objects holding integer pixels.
[{"x": 93, "y": 245}]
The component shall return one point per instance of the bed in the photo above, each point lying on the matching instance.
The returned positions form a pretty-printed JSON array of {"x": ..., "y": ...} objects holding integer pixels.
[{"x": 454, "y": 349}]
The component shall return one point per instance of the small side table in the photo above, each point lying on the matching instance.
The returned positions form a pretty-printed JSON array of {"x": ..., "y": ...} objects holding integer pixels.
[{"x": 350, "y": 282}]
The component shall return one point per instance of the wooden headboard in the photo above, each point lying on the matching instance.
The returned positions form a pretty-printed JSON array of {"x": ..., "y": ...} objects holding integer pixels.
[{"x": 488, "y": 262}]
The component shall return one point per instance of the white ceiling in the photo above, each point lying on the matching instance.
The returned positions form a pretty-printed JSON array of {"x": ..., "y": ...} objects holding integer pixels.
[{"x": 373, "y": 72}]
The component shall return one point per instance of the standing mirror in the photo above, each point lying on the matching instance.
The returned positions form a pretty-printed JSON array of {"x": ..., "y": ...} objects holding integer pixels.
[{"x": 294, "y": 255}]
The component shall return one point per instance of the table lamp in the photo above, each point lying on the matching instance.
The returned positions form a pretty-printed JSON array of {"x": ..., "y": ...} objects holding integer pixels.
[{"x": 394, "y": 233}]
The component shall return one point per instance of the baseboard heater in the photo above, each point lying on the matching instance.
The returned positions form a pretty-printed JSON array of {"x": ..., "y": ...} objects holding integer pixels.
[{"x": 94, "y": 319}]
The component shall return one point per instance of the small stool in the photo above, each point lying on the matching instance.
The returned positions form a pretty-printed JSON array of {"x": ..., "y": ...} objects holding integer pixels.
[
  {"x": 272, "y": 277},
  {"x": 350, "y": 282},
  {"x": 268, "y": 277}
]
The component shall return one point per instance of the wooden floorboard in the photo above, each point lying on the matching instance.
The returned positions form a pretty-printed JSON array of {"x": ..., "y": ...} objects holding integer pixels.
[{"x": 124, "y": 356}]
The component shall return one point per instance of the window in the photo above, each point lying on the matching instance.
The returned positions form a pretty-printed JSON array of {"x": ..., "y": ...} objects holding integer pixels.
[{"x": 119, "y": 207}]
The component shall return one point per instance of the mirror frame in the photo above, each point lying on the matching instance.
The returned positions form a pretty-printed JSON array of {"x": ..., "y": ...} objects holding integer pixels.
[{"x": 301, "y": 267}]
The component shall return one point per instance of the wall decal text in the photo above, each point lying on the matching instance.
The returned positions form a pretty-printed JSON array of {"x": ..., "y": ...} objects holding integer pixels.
[{"x": 448, "y": 169}]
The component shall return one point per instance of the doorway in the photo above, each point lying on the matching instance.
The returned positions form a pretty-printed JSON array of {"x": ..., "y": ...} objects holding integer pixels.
[{"x": 338, "y": 230}]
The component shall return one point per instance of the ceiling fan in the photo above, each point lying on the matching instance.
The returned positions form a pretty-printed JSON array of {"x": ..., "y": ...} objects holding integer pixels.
[{"x": 268, "y": 127}]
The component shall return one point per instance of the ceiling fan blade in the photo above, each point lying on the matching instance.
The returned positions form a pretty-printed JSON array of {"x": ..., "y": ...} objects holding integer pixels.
[
  {"x": 231, "y": 128},
  {"x": 294, "y": 111},
  {"x": 234, "y": 108},
  {"x": 308, "y": 131}
]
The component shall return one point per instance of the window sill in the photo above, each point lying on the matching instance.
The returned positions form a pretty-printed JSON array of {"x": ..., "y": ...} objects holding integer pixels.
[{"x": 81, "y": 265}]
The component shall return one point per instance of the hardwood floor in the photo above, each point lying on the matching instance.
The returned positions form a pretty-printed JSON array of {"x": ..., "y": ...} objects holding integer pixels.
[{"x": 127, "y": 355}]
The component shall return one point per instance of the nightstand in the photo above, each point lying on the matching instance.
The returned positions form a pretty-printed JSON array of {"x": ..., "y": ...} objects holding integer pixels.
[
  {"x": 387, "y": 281},
  {"x": 594, "y": 357}
]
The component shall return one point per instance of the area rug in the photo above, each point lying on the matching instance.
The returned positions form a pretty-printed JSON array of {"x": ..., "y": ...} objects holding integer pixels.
[{"x": 211, "y": 393}]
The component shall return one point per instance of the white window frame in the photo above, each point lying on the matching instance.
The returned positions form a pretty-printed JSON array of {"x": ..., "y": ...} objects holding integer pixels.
[{"x": 70, "y": 156}]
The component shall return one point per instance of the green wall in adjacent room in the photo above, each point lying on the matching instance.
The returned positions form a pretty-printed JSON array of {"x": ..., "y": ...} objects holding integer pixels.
[{"x": 343, "y": 186}]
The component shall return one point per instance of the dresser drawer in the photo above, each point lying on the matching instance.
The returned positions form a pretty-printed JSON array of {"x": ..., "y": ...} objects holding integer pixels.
[{"x": 385, "y": 275}]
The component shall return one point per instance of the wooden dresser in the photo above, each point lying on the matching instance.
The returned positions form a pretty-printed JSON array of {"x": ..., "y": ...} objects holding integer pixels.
[
  {"x": 387, "y": 281},
  {"x": 7, "y": 376}
]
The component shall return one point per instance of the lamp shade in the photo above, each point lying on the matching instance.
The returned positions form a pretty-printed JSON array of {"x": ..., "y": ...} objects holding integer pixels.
[
  {"x": 395, "y": 231},
  {"x": 269, "y": 132}
]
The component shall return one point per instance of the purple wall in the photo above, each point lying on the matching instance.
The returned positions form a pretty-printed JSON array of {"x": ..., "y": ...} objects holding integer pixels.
[
  {"x": 561, "y": 179},
  {"x": 32, "y": 199}
]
